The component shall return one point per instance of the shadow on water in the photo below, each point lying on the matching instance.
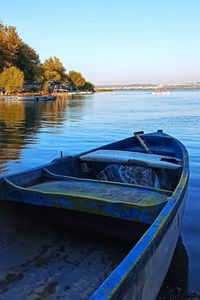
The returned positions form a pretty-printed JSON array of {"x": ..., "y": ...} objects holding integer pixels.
[{"x": 175, "y": 286}]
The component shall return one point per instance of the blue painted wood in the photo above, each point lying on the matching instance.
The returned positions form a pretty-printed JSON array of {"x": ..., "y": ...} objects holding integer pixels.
[
  {"x": 141, "y": 273},
  {"x": 104, "y": 198}
]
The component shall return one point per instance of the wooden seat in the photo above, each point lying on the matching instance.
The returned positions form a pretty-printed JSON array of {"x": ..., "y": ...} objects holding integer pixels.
[
  {"x": 105, "y": 191},
  {"x": 136, "y": 158},
  {"x": 123, "y": 201}
]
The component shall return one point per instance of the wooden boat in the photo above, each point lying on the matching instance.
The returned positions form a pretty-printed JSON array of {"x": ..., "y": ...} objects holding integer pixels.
[
  {"x": 37, "y": 98},
  {"x": 28, "y": 98},
  {"x": 8, "y": 98},
  {"x": 139, "y": 182}
]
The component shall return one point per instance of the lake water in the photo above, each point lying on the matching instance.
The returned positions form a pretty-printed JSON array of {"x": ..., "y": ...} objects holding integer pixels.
[{"x": 33, "y": 133}]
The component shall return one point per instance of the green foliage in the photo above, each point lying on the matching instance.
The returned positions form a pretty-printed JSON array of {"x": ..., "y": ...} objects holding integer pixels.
[
  {"x": 39, "y": 74},
  {"x": 76, "y": 79},
  {"x": 45, "y": 87},
  {"x": 33, "y": 89},
  {"x": 9, "y": 45},
  {"x": 14, "y": 52},
  {"x": 28, "y": 61},
  {"x": 12, "y": 80},
  {"x": 88, "y": 86},
  {"x": 53, "y": 69}
]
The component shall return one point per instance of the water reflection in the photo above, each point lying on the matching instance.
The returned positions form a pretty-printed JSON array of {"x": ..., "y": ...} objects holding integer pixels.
[
  {"x": 54, "y": 111},
  {"x": 20, "y": 122},
  {"x": 12, "y": 116}
]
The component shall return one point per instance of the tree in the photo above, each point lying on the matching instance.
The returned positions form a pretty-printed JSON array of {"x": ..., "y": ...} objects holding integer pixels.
[
  {"x": 39, "y": 74},
  {"x": 9, "y": 45},
  {"x": 14, "y": 52},
  {"x": 53, "y": 69},
  {"x": 76, "y": 79},
  {"x": 12, "y": 80},
  {"x": 88, "y": 86},
  {"x": 28, "y": 61}
]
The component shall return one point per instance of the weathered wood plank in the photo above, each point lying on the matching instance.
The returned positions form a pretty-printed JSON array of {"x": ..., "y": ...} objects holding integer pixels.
[{"x": 128, "y": 157}]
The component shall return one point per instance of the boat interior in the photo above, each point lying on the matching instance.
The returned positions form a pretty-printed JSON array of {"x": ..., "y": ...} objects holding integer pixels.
[{"x": 117, "y": 173}]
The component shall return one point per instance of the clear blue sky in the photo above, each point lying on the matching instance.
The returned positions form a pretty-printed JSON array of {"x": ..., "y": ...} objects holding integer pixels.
[{"x": 111, "y": 41}]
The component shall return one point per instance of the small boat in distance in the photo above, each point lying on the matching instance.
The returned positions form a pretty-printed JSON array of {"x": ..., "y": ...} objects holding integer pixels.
[
  {"x": 37, "y": 98},
  {"x": 28, "y": 98},
  {"x": 161, "y": 92},
  {"x": 114, "y": 190}
]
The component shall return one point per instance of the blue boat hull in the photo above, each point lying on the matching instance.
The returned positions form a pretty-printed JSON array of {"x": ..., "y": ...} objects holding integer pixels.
[{"x": 141, "y": 274}]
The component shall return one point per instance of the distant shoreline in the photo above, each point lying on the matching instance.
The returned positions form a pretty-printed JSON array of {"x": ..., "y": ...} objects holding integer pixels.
[
  {"x": 97, "y": 90},
  {"x": 148, "y": 86},
  {"x": 104, "y": 89}
]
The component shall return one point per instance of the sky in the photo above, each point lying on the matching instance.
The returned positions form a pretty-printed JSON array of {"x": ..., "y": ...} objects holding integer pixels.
[{"x": 113, "y": 42}]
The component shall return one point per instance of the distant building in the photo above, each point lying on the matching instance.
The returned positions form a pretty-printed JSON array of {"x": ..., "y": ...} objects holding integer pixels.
[{"x": 57, "y": 87}]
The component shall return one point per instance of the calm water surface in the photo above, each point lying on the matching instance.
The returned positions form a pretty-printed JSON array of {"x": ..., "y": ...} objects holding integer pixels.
[{"x": 34, "y": 133}]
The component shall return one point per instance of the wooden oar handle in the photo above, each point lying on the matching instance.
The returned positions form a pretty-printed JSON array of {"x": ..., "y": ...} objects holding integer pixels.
[{"x": 142, "y": 143}]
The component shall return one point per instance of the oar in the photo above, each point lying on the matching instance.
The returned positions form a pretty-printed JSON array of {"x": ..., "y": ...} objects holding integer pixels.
[{"x": 142, "y": 143}]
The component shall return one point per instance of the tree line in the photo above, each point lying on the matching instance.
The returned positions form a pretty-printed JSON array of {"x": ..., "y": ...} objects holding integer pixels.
[{"x": 20, "y": 63}]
